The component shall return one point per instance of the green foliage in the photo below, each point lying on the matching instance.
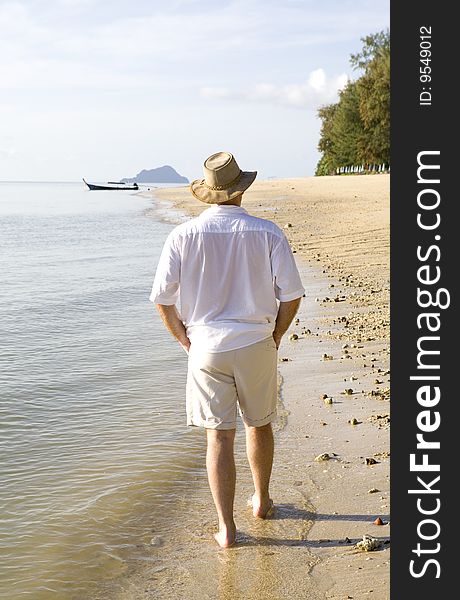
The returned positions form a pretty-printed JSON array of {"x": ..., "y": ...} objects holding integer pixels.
[
  {"x": 324, "y": 167},
  {"x": 347, "y": 126},
  {"x": 356, "y": 130},
  {"x": 373, "y": 46},
  {"x": 327, "y": 162},
  {"x": 374, "y": 108}
]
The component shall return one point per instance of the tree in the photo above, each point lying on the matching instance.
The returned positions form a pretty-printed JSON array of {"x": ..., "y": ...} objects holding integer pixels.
[
  {"x": 347, "y": 127},
  {"x": 357, "y": 128},
  {"x": 328, "y": 161},
  {"x": 374, "y": 108},
  {"x": 373, "y": 45}
]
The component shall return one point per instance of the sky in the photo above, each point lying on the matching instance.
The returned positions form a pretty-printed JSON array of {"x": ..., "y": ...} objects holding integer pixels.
[{"x": 104, "y": 88}]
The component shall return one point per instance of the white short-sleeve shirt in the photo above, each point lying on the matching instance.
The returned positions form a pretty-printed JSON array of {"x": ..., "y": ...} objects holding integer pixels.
[{"x": 225, "y": 271}]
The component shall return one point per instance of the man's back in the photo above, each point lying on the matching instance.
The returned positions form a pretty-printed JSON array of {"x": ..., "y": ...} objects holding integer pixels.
[{"x": 225, "y": 269}]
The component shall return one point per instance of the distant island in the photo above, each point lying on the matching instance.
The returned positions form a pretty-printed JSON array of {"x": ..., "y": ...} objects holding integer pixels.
[{"x": 164, "y": 174}]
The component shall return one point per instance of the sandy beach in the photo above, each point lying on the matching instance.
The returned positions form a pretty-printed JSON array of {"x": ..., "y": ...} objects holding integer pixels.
[{"x": 334, "y": 401}]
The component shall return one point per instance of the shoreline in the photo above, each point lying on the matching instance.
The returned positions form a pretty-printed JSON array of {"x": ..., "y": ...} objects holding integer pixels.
[{"x": 323, "y": 508}]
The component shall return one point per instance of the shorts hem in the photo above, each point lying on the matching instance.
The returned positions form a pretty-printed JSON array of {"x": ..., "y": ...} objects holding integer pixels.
[
  {"x": 259, "y": 422},
  {"x": 220, "y": 426}
]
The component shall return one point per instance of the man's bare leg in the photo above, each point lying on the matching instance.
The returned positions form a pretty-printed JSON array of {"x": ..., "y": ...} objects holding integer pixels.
[
  {"x": 260, "y": 448},
  {"x": 220, "y": 463}
]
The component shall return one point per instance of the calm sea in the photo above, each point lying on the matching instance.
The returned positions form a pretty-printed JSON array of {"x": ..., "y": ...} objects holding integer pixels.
[{"x": 93, "y": 445}]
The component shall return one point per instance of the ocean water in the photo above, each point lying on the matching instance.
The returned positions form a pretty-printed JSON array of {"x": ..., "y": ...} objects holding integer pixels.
[{"x": 94, "y": 450}]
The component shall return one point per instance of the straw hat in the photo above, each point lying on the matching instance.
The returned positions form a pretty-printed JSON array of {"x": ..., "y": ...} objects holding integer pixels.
[{"x": 223, "y": 179}]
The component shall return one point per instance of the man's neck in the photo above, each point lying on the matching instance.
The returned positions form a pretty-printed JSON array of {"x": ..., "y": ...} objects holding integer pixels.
[{"x": 234, "y": 202}]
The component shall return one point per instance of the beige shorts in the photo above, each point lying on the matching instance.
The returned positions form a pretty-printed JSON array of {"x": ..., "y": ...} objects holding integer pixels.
[{"x": 220, "y": 382}]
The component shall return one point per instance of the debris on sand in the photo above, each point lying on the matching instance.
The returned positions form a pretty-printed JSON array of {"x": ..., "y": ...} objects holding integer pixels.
[
  {"x": 378, "y": 521},
  {"x": 348, "y": 391},
  {"x": 293, "y": 337},
  {"x": 380, "y": 394},
  {"x": 328, "y": 357},
  {"x": 326, "y": 399},
  {"x": 157, "y": 541},
  {"x": 370, "y": 461},
  {"x": 384, "y": 454},
  {"x": 373, "y": 491},
  {"x": 382, "y": 421},
  {"x": 354, "y": 421},
  {"x": 368, "y": 544},
  {"x": 323, "y": 457}
]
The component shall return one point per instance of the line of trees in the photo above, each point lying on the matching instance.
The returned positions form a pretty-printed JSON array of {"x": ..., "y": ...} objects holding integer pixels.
[{"x": 356, "y": 129}]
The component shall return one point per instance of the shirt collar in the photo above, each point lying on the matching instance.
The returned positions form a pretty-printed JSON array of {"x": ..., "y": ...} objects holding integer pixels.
[{"x": 226, "y": 209}]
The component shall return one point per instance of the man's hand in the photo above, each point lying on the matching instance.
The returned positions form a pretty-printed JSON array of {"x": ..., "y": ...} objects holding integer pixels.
[
  {"x": 174, "y": 325},
  {"x": 286, "y": 312},
  {"x": 277, "y": 339},
  {"x": 185, "y": 343}
]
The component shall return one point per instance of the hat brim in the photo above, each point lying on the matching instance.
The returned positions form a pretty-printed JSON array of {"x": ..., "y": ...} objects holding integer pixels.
[{"x": 206, "y": 194}]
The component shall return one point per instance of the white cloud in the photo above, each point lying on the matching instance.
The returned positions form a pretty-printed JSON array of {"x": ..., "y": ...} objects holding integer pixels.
[
  {"x": 317, "y": 90},
  {"x": 7, "y": 152},
  {"x": 49, "y": 74},
  {"x": 149, "y": 32},
  {"x": 78, "y": 3}
]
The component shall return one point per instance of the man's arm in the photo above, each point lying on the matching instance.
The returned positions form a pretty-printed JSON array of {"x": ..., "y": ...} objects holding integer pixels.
[
  {"x": 173, "y": 324},
  {"x": 286, "y": 312}
]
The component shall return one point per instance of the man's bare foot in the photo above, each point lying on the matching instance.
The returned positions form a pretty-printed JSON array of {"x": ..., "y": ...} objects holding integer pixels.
[
  {"x": 226, "y": 536},
  {"x": 263, "y": 509}
]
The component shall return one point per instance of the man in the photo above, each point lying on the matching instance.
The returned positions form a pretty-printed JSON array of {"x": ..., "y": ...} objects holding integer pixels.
[{"x": 226, "y": 270}]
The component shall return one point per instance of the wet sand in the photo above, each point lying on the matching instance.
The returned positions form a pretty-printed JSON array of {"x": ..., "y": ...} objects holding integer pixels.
[{"x": 339, "y": 229}]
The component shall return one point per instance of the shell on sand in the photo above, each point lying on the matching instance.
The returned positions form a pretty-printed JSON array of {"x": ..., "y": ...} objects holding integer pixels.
[
  {"x": 368, "y": 544},
  {"x": 157, "y": 541},
  {"x": 322, "y": 457}
]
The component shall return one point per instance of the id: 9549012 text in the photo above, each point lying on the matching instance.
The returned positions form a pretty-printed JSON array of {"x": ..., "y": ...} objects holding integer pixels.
[{"x": 425, "y": 66}]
